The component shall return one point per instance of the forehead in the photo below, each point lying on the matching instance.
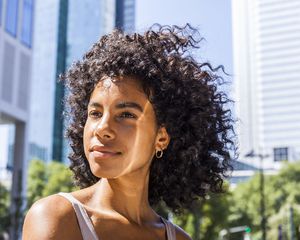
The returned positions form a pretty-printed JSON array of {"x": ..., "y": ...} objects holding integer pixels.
[{"x": 121, "y": 87}]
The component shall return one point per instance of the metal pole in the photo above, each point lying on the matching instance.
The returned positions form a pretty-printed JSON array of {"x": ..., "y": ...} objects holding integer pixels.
[
  {"x": 262, "y": 199},
  {"x": 292, "y": 223},
  {"x": 279, "y": 232},
  {"x": 263, "y": 223}
]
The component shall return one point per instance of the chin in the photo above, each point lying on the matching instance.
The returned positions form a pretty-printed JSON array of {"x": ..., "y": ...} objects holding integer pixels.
[
  {"x": 99, "y": 172},
  {"x": 105, "y": 168}
]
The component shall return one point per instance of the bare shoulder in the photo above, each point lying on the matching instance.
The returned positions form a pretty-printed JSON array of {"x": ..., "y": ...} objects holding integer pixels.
[
  {"x": 52, "y": 217},
  {"x": 181, "y": 234}
]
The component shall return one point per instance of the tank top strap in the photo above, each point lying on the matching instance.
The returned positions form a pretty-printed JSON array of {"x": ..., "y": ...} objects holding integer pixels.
[
  {"x": 170, "y": 228},
  {"x": 85, "y": 223}
]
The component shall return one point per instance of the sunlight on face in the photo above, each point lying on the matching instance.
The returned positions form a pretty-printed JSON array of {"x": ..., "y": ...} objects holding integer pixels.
[{"x": 120, "y": 131}]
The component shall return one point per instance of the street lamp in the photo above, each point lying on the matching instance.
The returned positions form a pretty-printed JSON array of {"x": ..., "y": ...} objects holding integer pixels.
[{"x": 261, "y": 157}]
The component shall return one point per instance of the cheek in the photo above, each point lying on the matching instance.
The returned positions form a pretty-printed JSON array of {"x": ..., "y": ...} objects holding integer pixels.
[
  {"x": 144, "y": 141},
  {"x": 86, "y": 138}
]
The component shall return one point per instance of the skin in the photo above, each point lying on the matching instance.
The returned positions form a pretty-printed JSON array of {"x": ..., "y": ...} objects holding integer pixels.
[{"x": 120, "y": 139}]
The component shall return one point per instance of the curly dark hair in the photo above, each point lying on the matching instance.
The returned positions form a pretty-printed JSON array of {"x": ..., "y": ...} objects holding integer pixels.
[{"x": 186, "y": 100}]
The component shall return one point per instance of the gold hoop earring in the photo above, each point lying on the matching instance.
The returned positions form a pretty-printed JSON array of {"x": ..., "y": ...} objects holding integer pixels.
[{"x": 159, "y": 153}]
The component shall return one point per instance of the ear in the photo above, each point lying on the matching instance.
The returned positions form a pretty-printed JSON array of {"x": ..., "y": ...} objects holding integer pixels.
[{"x": 162, "y": 138}]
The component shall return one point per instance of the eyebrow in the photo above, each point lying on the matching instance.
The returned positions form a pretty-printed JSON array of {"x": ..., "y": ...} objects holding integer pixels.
[
  {"x": 120, "y": 105},
  {"x": 130, "y": 105}
]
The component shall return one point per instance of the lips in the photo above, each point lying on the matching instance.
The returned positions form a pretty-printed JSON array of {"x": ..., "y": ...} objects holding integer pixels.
[{"x": 101, "y": 152}]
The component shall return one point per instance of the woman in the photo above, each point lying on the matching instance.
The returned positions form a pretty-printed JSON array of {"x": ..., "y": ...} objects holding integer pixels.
[{"x": 146, "y": 124}]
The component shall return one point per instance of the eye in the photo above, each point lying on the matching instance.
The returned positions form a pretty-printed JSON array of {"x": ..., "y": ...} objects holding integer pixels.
[
  {"x": 127, "y": 115},
  {"x": 95, "y": 114}
]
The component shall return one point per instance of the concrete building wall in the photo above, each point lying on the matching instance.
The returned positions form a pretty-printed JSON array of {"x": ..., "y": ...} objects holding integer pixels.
[
  {"x": 15, "y": 81},
  {"x": 266, "y": 36}
]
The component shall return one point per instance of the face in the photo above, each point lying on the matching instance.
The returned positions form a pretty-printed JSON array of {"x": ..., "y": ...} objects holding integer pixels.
[{"x": 121, "y": 133}]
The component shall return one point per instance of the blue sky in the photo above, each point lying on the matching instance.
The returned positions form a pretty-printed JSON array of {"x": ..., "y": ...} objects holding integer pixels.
[{"x": 211, "y": 17}]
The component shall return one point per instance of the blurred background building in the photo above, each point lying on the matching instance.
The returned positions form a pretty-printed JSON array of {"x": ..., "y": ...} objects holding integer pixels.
[
  {"x": 266, "y": 44},
  {"x": 64, "y": 31},
  {"x": 31, "y": 99},
  {"x": 16, "y": 28}
]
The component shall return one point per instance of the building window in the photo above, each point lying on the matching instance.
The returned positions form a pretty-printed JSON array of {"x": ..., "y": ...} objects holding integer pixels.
[
  {"x": 26, "y": 33},
  {"x": 0, "y": 12},
  {"x": 11, "y": 20},
  {"x": 280, "y": 154}
]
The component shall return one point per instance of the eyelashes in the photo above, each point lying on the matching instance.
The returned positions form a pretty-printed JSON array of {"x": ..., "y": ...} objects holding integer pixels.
[
  {"x": 127, "y": 115},
  {"x": 123, "y": 115},
  {"x": 95, "y": 114}
]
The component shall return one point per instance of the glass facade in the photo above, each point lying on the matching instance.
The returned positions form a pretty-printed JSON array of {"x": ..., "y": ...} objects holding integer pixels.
[
  {"x": 125, "y": 15},
  {"x": 58, "y": 127},
  {"x": 281, "y": 154},
  {"x": 45, "y": 41},
  {"x": 0, "y": 12},
  {"x": 11, "y": 17},
  {"x": 26, "y": 33},
  {"x": 81, "y": 34},
  {"x": 37, "y": 152},
  {"x": 80, "y": 24}
]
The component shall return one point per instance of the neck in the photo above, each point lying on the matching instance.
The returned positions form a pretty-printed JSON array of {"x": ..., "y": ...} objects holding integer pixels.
[{"x": 127, "y": 197}]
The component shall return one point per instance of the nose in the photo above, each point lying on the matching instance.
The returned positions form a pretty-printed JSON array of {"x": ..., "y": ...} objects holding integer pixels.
[{"x": 103, "y": 129}]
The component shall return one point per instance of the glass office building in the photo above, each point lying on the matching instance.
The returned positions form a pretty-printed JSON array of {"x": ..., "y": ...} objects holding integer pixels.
[
  {"x": 45, "y": 53},
  {"x": 64, "y": 31}
]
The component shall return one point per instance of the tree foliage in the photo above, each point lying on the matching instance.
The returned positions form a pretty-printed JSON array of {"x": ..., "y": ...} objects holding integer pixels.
[
  {"x": 281, "y": 194},
  {"x": 215, "y": 215},
  {"x": 241, "y": 207},
  {"x": 4, "y": 209},
  {"x": 46, "y": 179},
  {"x": 206, "y": 217}
]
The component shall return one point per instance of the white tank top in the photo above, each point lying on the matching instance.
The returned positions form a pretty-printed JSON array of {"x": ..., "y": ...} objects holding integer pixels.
[{"x": 87, "y": 229}]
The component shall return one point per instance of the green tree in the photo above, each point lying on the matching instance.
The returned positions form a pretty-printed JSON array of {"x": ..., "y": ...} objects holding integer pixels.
[
  {"x": 215, "y": 215},
  {"x": 36, "y": 181},
  {"x": 284, "y": 188},
  {"x": 206, "y": 217},
  {"x": 59, "y": 179},
  {"x": 281, "y": 192},
  {"x": 190, "y": 219},
  {"x": 46, "y": 179},
  {"x": 4, "y": 209}
]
